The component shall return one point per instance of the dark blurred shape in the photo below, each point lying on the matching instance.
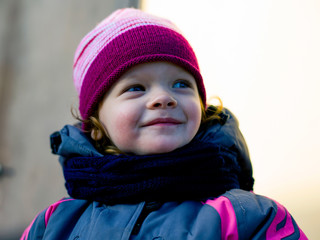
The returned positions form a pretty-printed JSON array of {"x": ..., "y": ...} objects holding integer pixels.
[{"x": 37, "y": 43}]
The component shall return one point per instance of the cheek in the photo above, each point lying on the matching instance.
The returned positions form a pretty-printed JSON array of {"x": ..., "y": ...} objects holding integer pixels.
[
  {"x": 121, "y": 126},
  {"x": 121, "y": 122},
  {"x": 194, "y": 116}
]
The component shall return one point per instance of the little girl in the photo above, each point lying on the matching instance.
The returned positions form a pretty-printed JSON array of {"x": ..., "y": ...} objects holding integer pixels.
[{"x": 150, "y": 160}]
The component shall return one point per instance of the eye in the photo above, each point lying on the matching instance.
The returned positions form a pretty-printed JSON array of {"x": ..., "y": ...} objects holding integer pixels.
[
  {"x": 181, "y": 84},
  {"x": 135, "y": 88}
]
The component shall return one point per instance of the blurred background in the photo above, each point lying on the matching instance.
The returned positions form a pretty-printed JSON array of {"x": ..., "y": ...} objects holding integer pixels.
[{"x": 262, "y": 58}]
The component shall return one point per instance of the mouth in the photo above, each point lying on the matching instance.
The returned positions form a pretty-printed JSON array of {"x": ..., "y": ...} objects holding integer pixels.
[{"x": 163, "y": 122}]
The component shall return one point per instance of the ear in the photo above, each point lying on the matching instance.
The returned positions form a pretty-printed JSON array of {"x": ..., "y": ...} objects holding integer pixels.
[{"x": 96, "y": 134}]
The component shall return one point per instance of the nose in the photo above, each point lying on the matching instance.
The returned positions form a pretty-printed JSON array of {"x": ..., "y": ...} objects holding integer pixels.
[{"x": 163, "y": 100}]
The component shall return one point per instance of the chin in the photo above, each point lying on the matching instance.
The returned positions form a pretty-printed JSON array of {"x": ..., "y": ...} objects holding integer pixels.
[{"x": 159, "y": 149}]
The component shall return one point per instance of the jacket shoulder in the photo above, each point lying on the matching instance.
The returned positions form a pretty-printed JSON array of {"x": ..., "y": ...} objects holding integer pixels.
[
  {"x": 254, "y": 216},
  {"x": 36, "y": 228},
  {"x": 66, "y": 206}
]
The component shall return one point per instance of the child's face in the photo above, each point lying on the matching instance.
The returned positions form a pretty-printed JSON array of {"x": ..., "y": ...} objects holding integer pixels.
[{"x": 152, "y": 108}]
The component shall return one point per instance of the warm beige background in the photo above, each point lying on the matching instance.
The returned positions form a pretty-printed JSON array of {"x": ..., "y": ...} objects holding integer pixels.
[{"x": 263, "y": 59}]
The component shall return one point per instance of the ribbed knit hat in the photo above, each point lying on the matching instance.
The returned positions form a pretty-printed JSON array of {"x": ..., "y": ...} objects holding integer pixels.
[{"x": 126, "y": 38}]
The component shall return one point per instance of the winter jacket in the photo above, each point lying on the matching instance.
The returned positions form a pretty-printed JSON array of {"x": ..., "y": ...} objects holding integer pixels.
[{"x": 237, "y": 214}]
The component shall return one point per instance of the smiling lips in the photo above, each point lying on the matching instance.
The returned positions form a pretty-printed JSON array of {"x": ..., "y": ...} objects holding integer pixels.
[{"x": 162, "y": 122}]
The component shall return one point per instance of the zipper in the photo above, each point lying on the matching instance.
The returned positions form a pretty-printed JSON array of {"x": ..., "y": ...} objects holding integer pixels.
[{"x": 147, "y": 209}]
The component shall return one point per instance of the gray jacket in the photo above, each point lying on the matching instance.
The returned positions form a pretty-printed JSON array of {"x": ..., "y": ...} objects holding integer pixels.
[{"x": 237, "y": 214}]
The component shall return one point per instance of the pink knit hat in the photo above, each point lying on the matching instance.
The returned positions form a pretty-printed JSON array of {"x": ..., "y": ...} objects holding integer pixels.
[{"x": 124, "y": 39}]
